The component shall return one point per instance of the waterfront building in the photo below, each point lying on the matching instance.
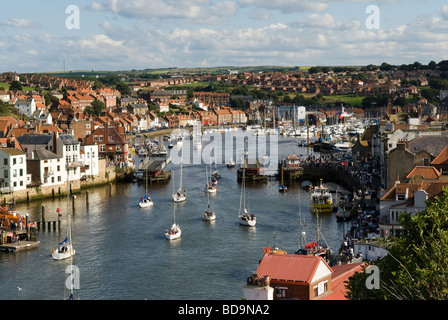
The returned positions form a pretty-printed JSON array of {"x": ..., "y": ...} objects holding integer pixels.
[
  {"x": 89, "y": 159},
  {"x": 46, "y": 168},
  {"x": 68, "y": 148},
  {"x": 299, "y": 277},
  {"x": 34, "y": 141},
  {"x": 13, "y": 170},
  {"x": 112, "y": 144}
]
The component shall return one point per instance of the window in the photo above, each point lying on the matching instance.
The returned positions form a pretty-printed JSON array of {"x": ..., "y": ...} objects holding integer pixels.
[
  {"x": 101, "y": 138},
  {"x": 321, "y": 288},
  {"x": 280, "y": 292},
  {"x": 14, "y": 161},
  {"x": 401, "y": 197},
  {"x": 426, "y": 162},
  {"x": 102, "y": 148},
  {"x": 5, "y": 162},
  {"x": 6, "y": 174},
  {"x": 21, "y": 172}
]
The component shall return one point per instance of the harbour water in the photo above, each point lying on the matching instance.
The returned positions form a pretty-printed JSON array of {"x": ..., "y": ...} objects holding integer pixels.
[{"x": 122, "y": 253}]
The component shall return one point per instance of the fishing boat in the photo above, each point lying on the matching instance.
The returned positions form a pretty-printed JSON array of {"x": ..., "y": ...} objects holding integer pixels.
[
  {"x": 245, "y": 218},
  {"x": 342, "y": 215},
  {"x": 145, "y": 201},
  {"x": 321, "y": 199},
  {"x": 175, "y": 231},
  {"x": 313, "y": 248},
  {"x": 181, "y": 194},
  {"x": 65, "y": 248}
]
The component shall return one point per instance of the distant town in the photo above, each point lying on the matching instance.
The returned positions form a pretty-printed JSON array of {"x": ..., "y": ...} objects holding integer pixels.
[
  {"x": 74, "y": 125},
  {"x": 64, "y": 131}
]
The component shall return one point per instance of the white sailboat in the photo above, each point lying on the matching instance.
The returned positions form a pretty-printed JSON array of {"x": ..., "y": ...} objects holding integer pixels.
[
  {"x": 208, "y": 214},
  {"x": 65, "y": 248},
  {"x": 181, "y": 194},
  {"x": 175, "y": 231},
  {"x": 145, "y": 201},
  {"x": 210, "y": 187},
  {"x": 244, "y": 217}
]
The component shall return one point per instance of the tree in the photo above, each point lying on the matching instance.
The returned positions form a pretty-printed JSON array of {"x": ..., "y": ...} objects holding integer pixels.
[
  {"x": 96, "y": 109},
  {"x": 123, "y": 88},
  {"x": 415, "y": 266},
  {"x": 15, "y": 86}
]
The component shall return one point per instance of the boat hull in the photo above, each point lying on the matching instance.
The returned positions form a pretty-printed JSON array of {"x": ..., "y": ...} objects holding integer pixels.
[
  {"x": 247, "y": 221},
  {"x": 174, "y": 233},
  {"x": 208, "y": 216},
  {"x": 65, "y": 254},
  {"x": 178, "y": 199},
  {"x": 145, "y": 203},
  {"x": 322, "y": 208}
]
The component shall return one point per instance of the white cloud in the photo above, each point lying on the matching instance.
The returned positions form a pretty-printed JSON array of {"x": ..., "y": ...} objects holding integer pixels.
[
  {"x": 196, "y": 11},
  {"x": 445, "y": 11},
  {"x": 19, "y": 23},
  {"x": 286, "y": 6},
  {"x": 320, "y": 38}
]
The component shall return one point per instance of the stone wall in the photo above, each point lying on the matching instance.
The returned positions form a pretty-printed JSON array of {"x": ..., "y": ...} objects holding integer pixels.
[{"x": 106, "y": 175}]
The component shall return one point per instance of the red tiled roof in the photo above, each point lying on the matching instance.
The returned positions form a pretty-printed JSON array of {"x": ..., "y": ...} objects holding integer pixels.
[
  {"x": 442, "y": 158},
  {"x": 292, "y": 157},
  {"x": 289, "y": 267},
  {"x": 425, "y": 172},
  {"x": 340, "y": 275}
]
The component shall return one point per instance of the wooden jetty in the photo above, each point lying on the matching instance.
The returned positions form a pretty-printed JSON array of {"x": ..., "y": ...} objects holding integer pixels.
[
  {"x": 21, "y": 245},
  {"x": 153, "y": 169}
]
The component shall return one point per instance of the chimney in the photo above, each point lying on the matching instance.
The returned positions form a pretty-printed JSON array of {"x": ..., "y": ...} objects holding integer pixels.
[{"x": 401, "y": 144}]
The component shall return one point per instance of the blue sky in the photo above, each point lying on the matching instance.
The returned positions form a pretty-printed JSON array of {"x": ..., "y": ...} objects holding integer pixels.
[{"x": 139, "y": 34}]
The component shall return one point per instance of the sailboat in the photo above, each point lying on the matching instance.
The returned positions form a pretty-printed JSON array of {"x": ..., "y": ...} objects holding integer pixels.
[
  {"x": 231, "y": 163},
  {"x": 65, "y": 248},
  {"x": 175, "y": 231},
  {"x": 145, "y": 201},
  {"x": 208, "y": 214},
  {"x": 282, "y": 187},
  {"x": 314, "y": 248},
  {"x": 245, "y": 218},
  {"x": 210, "y": 187},
  {"x": 181, "y": 194}
]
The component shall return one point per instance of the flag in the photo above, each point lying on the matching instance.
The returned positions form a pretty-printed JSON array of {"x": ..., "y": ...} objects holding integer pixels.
[{"x": 61, "y": 243}]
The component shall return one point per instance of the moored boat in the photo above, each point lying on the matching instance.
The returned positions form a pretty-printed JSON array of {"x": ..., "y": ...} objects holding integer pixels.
[{"x": 321, "y": 199}]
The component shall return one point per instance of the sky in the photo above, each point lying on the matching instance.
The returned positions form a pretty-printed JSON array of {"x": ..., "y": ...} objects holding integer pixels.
[{"x": 113, "y": 35}]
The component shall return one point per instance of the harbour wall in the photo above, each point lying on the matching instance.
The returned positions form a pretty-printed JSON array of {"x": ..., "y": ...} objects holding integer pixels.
[
  {"x": 311, "y": 173},
  {"x": 106, "y": 175}
]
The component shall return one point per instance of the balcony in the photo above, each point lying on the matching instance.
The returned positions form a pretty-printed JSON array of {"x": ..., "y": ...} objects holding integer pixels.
[{"x": 387, "y": 221}]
